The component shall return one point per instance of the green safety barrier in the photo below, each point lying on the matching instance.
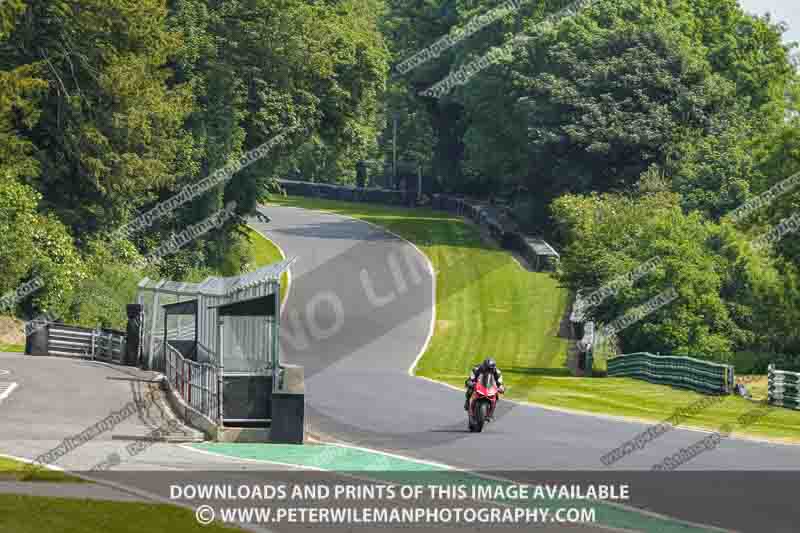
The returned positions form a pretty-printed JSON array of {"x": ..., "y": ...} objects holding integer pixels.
[
  {"x": 783, "y": 388},
  {"x": 674, "y": 370}
]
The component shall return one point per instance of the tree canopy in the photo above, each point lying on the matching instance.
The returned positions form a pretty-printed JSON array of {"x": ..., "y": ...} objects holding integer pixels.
[{"x": 635, "y": 126}]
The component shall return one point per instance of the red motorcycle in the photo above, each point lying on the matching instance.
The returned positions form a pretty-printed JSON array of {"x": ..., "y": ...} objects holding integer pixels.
[{"x": 483, "y": 401}]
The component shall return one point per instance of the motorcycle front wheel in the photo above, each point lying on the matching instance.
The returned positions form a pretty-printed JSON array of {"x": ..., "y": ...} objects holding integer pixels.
[{"x": 481, "y": 414}]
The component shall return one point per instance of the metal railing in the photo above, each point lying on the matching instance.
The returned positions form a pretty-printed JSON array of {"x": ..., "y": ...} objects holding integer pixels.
[
  {"x": 783, "y": 388},
  {"x": 539, "y": 254},
  {"x": 678, "y": 371},
  {"x": 73, "y": 341},
  {"x": 199, "y": 384},
  {"x": 158, "y": 362}
]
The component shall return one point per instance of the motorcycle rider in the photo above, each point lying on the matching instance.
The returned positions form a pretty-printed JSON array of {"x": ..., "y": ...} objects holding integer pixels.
[{"x": 488, "y": 365}]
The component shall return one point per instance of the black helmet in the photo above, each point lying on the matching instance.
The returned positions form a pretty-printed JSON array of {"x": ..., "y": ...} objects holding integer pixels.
[{"x": 489, "y": 363}]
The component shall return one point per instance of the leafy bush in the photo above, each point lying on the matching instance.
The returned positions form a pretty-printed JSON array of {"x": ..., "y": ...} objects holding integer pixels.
[
  {"x": 747, "y": 362},
  {"x": 36, "y": 246},
  {"x": 731, "y": 296},
  {"x": 110, "y": 285}
]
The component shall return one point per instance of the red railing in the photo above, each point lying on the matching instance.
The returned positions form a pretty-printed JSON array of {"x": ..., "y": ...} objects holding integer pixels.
[{"x": 197, "y": 383}]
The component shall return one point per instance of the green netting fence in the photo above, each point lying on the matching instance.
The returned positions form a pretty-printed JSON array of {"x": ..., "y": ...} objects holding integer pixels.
[
  {"x": 677, "y": 371},
  {"x": 784, "y": 388}
]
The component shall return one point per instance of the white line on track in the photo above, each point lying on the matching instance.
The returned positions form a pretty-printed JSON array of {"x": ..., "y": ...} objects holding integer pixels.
[
  {"x": 395, "y": 455},
  {"x": 629, "y": 420},
  {"x": 364, "y": 477},
  {"x": 251, "y": 460},
  {"x": 432, "y": 271},
  {"x": 147, "y": 495},
  {"x": 288, "y": 270},
  {"x": 6, "y": 389},
  {"x": 411, "y": 373}
]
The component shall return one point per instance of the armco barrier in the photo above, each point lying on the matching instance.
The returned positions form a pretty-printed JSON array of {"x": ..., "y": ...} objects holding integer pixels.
[
  {"x": 343, "y": 192},
  {"x": 783, "y": 388},
  {"x": 540, "y": 255},
  {"x": 73, "y": 341},
  {"x": 677, "y": 371}
]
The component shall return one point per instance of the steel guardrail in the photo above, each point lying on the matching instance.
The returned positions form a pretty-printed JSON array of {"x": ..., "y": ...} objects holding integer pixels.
[
  {"x": 74, "y": 341},
  {"x": 678, "y": 371},
  {"x": 783, "y": 388}
]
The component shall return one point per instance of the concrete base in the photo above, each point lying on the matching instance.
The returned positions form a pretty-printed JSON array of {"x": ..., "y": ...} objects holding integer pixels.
[
  {"x": 288, "y": 409},
  {"x": 187, "y": 414},
  {"x": 243, "y": 434},
  {"x": 288, "y": 413}
]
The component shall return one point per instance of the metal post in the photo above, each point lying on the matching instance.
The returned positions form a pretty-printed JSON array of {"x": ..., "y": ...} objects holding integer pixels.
[
  {"x": 770, "y": 381},
  {"x": 219, "y": 396},
  {"x": 275, "y": 344},
  {"x": 394, "y": 152},
  {"x": 153, "y": 326},
  {"x": 220, "y": 375},
  {"x": 164, "y": 341},
  {"x": 419, "y": 183},
  {"x": 204, "y": 381}
]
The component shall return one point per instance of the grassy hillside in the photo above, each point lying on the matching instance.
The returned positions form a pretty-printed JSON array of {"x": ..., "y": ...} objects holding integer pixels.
[{"x": 488, "y": 304}]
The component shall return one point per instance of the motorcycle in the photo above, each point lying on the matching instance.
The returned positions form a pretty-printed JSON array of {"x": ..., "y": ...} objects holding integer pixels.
[{"x": 482, "y": 402}]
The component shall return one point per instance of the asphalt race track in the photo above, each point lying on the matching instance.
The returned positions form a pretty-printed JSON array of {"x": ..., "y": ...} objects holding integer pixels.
[
  {"x": 60, "y": 397},
  {"x": 357, "y": 384},
  {"x": 358, "y": 314},
  {"x": 357, "y": 317}
]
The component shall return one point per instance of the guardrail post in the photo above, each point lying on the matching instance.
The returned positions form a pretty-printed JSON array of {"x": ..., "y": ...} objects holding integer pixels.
[
  {"x": 37, "y": 341},
  {"x": 219, "y": 395},
  {"x": 203, "y": 391},
  {"x": 770, "y": 383}
]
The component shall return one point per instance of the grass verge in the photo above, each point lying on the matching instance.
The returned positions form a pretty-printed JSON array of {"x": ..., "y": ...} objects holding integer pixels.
[
  {"x": 12, "y": 348},
  {"x": 488, "y": 304},
  {"x": 263, "y": 252},
  {"x": 12, "y": 470},
  {"x": 34, "y": 514}
]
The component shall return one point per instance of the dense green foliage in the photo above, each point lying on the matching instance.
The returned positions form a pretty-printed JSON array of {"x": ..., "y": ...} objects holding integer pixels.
[
  {"x": 623, "y": 132},
  {"x": 731, "y": 296},
  {"x": 108, "y": 107},
  {"x": 635, "y": 126}
]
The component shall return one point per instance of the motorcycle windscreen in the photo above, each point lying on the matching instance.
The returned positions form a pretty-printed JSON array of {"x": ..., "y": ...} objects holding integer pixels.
[{"x": 487, "y": 380}]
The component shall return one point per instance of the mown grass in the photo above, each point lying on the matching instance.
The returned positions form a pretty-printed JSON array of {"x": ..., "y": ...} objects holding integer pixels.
[
  {"x": 35, "y": 514},
  {"x": 12, "y": 470},
  {"x": 263, "y": 252},
  {"x": 487, "y": 304},
  {"x": 12, "y": 348}
]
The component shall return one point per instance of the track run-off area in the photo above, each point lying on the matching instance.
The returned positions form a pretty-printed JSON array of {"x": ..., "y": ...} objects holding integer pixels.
[
  {"x": 358, "y": 316},
  {"x": 372, "y": 313}
]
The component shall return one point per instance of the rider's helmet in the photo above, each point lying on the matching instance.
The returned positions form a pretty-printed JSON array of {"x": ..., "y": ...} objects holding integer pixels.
[{"x": 489, "y": 363}]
